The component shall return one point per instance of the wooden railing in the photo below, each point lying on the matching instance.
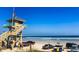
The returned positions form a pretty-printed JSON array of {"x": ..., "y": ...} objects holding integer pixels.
[{"x": 15, "y": 32}]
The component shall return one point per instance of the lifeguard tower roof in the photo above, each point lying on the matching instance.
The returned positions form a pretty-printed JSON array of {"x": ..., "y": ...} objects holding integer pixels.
[{"x": 16, "y": 19}]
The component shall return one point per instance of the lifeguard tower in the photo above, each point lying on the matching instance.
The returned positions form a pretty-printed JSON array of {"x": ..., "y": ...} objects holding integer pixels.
[{"x": 14, "y": 35}]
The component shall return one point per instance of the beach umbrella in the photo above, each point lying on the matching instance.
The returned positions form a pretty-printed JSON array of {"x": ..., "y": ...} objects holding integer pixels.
[
  {"x": 25, "y": 44},
  {"x": 47, "y": 46},
  {"x": 30, "y": 43}
]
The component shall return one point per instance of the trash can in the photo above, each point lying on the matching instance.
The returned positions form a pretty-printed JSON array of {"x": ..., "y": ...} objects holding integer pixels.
[
  {"x": 57, "y": 50},
  {"x": 60, "y": 49}
]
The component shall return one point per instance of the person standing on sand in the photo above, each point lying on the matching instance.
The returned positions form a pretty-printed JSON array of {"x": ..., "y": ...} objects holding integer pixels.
[
  {"x": 4, "y": 43},
  {"x": 0, "y": 45},
  {"x": 19, "y": 44},
  {"x": 12, "y": 44}
]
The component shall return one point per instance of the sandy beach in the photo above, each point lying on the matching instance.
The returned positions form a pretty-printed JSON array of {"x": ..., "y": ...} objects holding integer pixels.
[{"x": 39, "y": 44}]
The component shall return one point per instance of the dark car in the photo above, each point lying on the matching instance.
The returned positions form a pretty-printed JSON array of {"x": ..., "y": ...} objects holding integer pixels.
[
  {"x": 70, "y": 45},
  {"x": 47, "y": 46},
  {"x": 73, "y": 47}
]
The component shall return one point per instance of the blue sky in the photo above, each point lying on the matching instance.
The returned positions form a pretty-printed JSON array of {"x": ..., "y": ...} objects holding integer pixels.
[{"x": 44, "y": 20}]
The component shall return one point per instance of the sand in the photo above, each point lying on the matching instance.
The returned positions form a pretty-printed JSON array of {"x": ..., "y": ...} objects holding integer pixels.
[{"x": 39, "y": 44}]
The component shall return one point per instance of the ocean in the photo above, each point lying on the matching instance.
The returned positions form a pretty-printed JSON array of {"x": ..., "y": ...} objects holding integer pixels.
[
  {"x": 50, "y": 38},
  {"x": 62, "y": 40}
]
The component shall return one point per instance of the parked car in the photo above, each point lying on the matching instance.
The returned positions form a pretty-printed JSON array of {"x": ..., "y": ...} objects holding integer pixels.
[
  {"x": 73, "y": 47},
  {"x": 47, "y": 46},
  {"x": 69, "y": 45}
]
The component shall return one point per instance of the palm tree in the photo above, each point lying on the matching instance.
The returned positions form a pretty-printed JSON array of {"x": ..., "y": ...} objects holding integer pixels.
[{"x": 30, "y": 43}]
